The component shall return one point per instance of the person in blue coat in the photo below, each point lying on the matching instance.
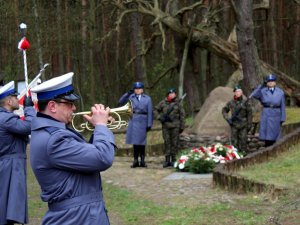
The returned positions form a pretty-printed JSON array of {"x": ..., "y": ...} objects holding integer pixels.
[
  {"x": 13, "y": 141},
  {"x": 140, "y": 123},
  {"x": 66, "y": 167},
  {"x": 273, "y": 113}
]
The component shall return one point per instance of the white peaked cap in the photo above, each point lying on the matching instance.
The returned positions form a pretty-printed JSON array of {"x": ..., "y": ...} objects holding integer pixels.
[
  {"x": 8, "y": 89},
  {"x": 58, "y": 87}
]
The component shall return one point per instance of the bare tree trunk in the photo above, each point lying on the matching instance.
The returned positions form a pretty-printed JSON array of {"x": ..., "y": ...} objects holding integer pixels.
[
  {"x": 273, "y": 36},
  {"x": 84, "y": 69},
  {"x": 297, "y": 43},
  {"x": 91, "y": 65},
  {"x": 139, "y": 70},
  {"x": 246, "y": 42},
  {"x": 59, "y": 36},
  {"x": 183, "y": 63},
  {"x": 204, "y": 55},
  {"x": 38, "y": 36}
]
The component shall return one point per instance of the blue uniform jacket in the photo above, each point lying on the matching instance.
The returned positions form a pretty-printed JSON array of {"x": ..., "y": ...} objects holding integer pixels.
[
  {"x": 68, "y": 171},
  {"x": 142, "y": 118},
  {"x": 273, "y": 113},
  {"x": 13, "y": 140}
]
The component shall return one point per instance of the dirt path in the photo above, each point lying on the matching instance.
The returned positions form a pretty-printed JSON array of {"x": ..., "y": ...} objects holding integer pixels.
[{"x": 152, "y": 184}]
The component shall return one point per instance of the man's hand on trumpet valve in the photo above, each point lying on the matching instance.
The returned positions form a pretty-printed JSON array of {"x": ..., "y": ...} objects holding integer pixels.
[{"x": 100, "y": 115}]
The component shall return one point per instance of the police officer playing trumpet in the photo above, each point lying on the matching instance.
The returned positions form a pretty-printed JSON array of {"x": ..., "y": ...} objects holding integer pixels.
[{"x": 66, "y": 167}]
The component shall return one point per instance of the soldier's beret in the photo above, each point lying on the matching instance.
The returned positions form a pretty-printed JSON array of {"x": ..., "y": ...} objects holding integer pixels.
[{"x": 237, "y": 87}]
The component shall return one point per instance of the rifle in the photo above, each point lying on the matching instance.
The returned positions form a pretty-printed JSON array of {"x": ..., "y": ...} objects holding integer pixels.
[
  {"x": 234, "y": 116},
  {"x": 165, "y": 117},
  {"x": 33, "y": 82}
]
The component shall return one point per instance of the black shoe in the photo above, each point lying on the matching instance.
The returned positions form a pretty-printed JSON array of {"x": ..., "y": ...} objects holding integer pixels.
[
  {"x": 143, "y": 164},
  {"x": 171, "y": 164},
  {"x": 166, "y": 162},
  {"x": 135, "y": 164}
]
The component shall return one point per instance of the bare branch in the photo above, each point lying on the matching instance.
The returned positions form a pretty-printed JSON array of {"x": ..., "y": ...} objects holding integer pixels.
[
  {"x": 148, "y": 41},
  {"x": 169, "y": 69},
  {"x": 168, "y": 6},
  {"x": 116, "y": 28},
  {"x": 234, "y": 8},
  {"x": 265, "y": 4},
  {"x": 163, "y": 36},
  {"x": 189, "y": 8}
]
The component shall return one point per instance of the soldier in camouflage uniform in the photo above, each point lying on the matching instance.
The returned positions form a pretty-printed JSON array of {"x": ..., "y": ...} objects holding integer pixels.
[
  {"x": 171, "y": 114},
  {"x": 240, "y": 120}
]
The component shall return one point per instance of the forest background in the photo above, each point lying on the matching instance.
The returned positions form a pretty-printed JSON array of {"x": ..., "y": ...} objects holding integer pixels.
[{"x": 111, "y": 44}]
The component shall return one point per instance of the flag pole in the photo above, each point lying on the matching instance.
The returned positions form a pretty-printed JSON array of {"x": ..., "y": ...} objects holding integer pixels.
[{"x": 24, "y": 45}]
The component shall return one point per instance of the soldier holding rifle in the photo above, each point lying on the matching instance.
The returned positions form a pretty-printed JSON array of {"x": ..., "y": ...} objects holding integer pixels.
[
  {"x": 240, "y": 120},
  {"x": 66, "y": 167},
  {"x": 171, "y": 114}
]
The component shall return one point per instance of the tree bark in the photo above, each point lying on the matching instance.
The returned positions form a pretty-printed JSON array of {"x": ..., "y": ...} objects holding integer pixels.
[
  {"x": 137, "y": 47},
  {"x": 246, "y": 42}
]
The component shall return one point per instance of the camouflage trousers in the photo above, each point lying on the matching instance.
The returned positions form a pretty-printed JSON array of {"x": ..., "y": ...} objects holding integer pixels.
[
  {"x": 171, "y": 140},
  {"x": 239, "y": 137}
]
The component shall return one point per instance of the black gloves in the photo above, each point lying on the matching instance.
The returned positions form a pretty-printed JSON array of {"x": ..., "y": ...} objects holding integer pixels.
[
  {"x": 148, "y": 128},
  {"x": 229, "y": 121},
  {"x": 130, "y": 92},
  {"x": 28, "y": 101}
]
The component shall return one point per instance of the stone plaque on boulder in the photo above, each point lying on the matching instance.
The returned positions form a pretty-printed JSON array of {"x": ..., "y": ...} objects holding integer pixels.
[{"x": 209, "y": 120}]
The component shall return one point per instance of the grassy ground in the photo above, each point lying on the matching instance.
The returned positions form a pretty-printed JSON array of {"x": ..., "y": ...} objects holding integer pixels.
[
  {"x": 127, "y": 208},
  {"x": 248, "y": 209},
  {"x": 282, "y": 171},
  {"x": 292, "y": 115},
  {"x": 134, "y": 211}
]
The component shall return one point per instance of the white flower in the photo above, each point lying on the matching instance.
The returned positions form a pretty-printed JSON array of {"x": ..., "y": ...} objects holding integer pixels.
[
  {"x": 216, "y": 160},
  {"x": 181, "y": 166},
  {"x": 175, "y": 164}
]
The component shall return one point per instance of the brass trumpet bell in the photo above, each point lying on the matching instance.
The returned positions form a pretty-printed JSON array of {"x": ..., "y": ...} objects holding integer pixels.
[{"x": 121, "y": 117}]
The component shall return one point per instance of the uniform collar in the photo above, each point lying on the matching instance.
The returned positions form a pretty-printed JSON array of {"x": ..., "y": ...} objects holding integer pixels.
[{"x": 42, "y": 120}]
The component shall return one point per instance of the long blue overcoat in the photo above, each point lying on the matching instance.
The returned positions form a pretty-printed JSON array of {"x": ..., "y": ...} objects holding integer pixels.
[
  {"x": 13, "y": 140},
  {"x": 142, "y": 118},
  {"x": 273, "y": 113},
  {"x": 68, "y": 171}
]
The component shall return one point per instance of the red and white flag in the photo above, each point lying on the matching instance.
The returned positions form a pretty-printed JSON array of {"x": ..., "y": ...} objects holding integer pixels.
[{"x": 24, "y": 44}]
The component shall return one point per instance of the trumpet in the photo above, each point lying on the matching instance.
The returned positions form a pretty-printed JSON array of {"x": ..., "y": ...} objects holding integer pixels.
[{"x": 121, "y": 117}]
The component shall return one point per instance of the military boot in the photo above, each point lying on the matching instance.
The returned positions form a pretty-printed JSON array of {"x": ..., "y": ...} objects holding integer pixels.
[
  {"x": 166, "y": 162},
  {"x": 135, "y": 158},
  {"x": 142, "y": 154},
  {"x": 143, "y": 164},
  {"x": 135, "y": 163}
]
